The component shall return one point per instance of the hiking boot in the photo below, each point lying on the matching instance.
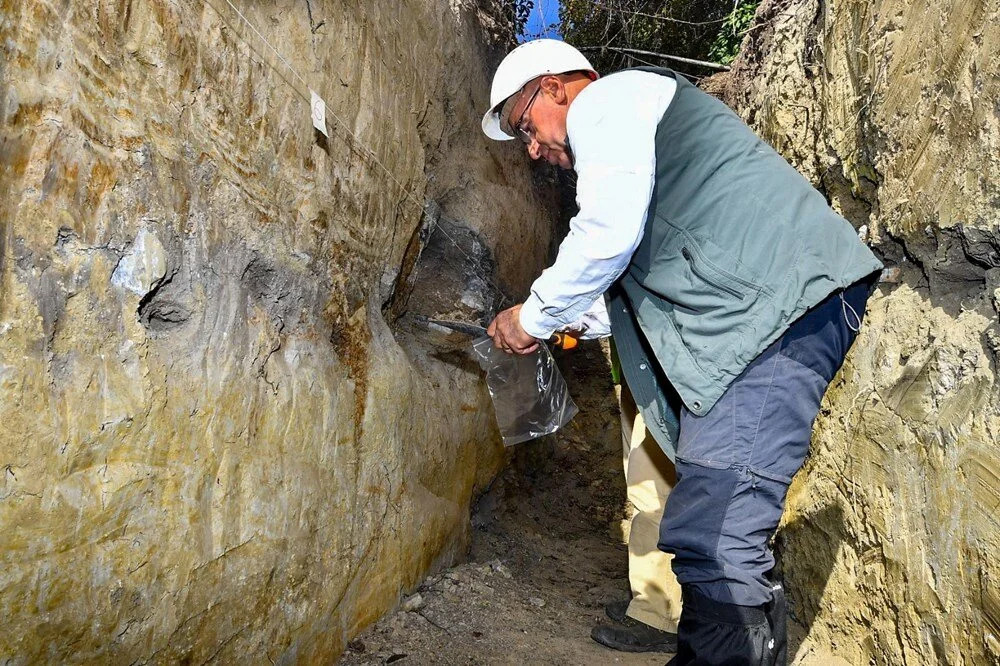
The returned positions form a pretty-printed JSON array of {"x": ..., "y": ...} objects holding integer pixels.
[
  {"x": 634, "y": 636},
  {"x": 713, "y": 632},
  {"x": 616, "y": 610}
]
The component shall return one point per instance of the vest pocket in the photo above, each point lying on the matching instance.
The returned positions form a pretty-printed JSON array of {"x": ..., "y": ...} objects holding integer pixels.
[{"x": 700, "y": 268}]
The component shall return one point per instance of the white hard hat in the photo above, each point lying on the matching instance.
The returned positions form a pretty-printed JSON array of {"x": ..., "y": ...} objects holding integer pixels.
[{"x": 526, "y": 62}]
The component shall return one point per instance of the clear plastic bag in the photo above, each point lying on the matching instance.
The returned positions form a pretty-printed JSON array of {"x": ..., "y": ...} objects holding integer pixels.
[{"x": 529, "y": 393}]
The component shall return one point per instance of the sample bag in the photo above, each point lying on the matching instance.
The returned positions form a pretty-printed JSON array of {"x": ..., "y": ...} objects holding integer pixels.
[{"x": 529, "y": 393}]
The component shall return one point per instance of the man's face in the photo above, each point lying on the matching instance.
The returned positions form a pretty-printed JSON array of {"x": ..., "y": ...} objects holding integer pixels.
[{"x": 539, "y": 119}]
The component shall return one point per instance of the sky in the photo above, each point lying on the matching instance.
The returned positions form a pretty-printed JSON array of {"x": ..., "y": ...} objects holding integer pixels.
[{"x": 536, "y": 27}]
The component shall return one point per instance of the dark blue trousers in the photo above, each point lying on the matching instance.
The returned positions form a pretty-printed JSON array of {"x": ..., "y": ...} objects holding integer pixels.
[{"x": 734, "y": 464}]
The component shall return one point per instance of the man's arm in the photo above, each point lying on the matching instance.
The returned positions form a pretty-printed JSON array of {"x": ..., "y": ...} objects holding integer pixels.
[
  {"x": 592, "y": 324},
  {"x": 612, "y": 130},
  {"x": 594, "y": 254},
  {"x": 613, "y": 201}
]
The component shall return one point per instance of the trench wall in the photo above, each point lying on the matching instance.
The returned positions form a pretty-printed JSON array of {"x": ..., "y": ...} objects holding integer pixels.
[
  {"x": 213, "y": 444},
  {"x": 891, "y": 539}
]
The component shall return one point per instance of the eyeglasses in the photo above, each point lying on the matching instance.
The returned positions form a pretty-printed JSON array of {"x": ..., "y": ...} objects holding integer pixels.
[{"x": 519, "y": 131}]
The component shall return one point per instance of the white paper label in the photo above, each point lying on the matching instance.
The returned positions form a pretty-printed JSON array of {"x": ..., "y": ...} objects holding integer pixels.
[{"x": 319, "y": 113}]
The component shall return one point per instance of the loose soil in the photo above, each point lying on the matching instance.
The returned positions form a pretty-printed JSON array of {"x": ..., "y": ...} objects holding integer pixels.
[{"x": 546, "y": 553}]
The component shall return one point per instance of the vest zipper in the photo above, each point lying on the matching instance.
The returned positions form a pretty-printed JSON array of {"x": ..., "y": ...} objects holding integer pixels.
[{"x": 687, "y": 254}]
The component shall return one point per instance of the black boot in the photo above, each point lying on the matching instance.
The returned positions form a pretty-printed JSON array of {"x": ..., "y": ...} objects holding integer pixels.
[
  {"x": 617, "y": 610},
  {"x": 777, "y": 618},
  {"x": 713, "y": 633},
  {"x": 631, "y": 635}
]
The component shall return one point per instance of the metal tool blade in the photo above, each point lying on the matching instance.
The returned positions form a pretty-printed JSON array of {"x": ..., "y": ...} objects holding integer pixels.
[{"x": 465, "y": 327}]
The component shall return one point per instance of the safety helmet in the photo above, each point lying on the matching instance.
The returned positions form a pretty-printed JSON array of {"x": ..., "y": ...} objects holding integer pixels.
[{"x": 526, "y": 62}]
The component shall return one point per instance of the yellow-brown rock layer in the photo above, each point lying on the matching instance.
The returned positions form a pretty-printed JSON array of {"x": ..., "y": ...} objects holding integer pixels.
[
  {"x": 891, "y": 542},
  {"x": 212, "y": 446}
]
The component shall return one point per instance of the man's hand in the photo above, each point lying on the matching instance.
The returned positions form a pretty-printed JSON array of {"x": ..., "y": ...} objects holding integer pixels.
[{"x": 508, "y": 335}]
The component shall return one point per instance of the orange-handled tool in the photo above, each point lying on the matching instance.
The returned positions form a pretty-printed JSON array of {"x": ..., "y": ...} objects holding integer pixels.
[{"x": 561, "y": 340}]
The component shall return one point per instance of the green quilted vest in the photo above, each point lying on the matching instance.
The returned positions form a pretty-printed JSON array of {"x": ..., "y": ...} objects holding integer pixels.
[{"x": 737, "y": 245}]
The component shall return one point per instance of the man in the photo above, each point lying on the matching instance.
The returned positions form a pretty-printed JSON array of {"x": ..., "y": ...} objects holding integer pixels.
[
  {"x": 734, "y": 294},
  {"x": 648, "y": 621}
]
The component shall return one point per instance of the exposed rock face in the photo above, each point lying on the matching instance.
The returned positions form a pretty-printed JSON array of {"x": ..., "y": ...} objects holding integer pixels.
[
  {"x": 892, "y": 538},
  {"x": 213, "y": 444}
]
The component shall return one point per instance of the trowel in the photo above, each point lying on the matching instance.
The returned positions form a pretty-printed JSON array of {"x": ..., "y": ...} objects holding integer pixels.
[{"x": 560, "y": 340}]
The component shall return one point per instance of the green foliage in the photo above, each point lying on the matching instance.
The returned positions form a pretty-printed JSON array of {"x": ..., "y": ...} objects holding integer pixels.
[
  {"x": 727, "y": 42},
  {"x": 677, "y": 27},
  {"x": 521, "y": 10},
  {"x": 515, "y": 15}
]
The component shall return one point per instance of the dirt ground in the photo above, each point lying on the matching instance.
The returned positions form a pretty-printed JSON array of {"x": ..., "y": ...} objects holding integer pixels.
[{"x": 546, "y": 553}]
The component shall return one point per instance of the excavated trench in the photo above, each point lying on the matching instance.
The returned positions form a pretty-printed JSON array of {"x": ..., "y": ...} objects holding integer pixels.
[
  {"x": 546, "y": 552},
  {"x": 224, "y": 435}
]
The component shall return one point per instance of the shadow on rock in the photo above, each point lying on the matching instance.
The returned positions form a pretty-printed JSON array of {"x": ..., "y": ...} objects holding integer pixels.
[{"x": 806, "y": 551}]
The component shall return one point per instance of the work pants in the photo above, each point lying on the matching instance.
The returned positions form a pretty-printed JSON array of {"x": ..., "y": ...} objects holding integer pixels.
[
  {"x": 649, "y": 476},
  {"x": 734, "y": 465}
]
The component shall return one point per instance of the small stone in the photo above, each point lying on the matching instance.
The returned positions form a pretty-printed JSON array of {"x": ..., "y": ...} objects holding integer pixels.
[
  {"x": 501, "y": 569},
  {"x": 536, "y": 602},
  {"x": 891, "y": 275},
  {"x": 459, "y": 576},
  {"x": 413, "y": 603}
]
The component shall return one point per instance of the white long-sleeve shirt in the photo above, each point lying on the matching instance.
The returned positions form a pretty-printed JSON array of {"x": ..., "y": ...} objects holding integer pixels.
[{"x": 611, "y": 127}]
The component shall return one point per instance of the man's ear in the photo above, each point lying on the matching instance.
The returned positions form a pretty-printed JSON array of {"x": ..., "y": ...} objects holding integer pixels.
[{"x": 554, "y": 87}]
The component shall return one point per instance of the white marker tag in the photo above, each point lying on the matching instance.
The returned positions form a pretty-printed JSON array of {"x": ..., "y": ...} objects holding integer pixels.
[{"x": 319, "y": 113}]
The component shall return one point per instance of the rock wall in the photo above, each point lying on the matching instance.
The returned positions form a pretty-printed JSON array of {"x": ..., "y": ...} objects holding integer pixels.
[
  {"x": 214, "y": 444},
  {"x": 891, "y": 541}
]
